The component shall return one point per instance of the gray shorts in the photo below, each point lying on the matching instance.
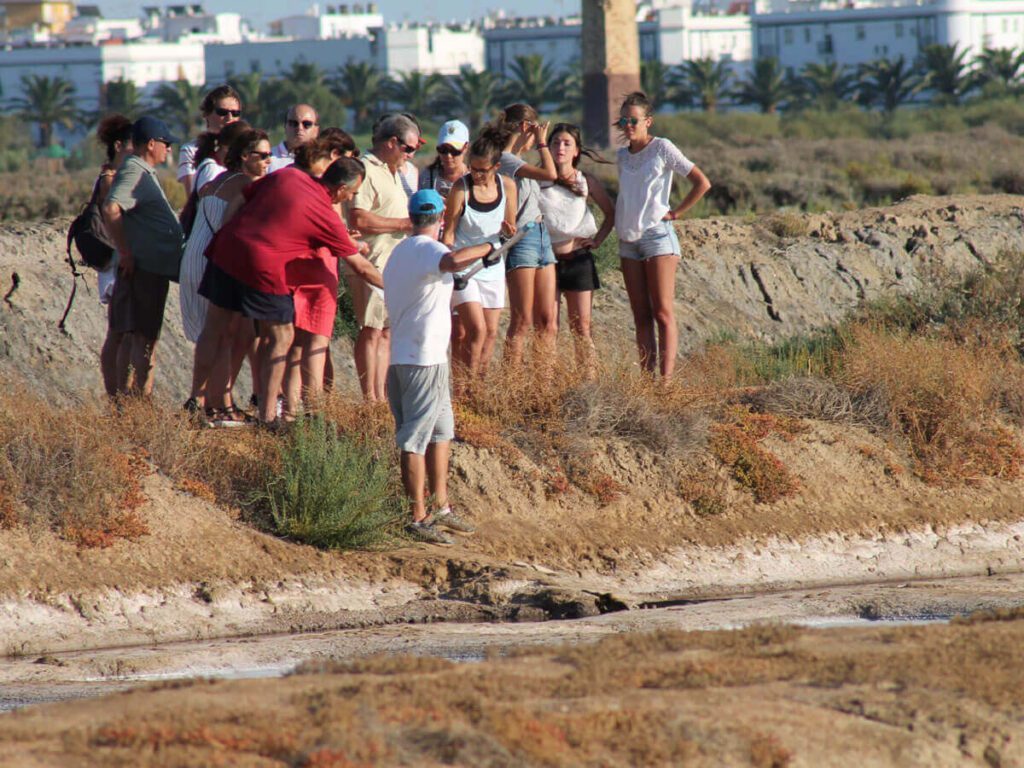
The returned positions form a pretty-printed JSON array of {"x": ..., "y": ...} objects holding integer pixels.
[
  {"x": 659, "y": 240},
  {"x": 421, "y": 403}
]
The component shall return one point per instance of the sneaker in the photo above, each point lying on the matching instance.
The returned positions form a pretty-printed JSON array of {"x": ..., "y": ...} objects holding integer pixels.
[
  {"x": 228, "y": 417},
  {"x": 448, "y": 519},
  {"x": 429, "y": 533}
]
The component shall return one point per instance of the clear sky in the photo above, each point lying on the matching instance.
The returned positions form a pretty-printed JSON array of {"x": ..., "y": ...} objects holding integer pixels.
[{"x": 261, "y": 12}]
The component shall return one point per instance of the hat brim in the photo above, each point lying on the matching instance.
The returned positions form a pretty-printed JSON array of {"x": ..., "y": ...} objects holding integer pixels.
[{"x": 459, "y": 145}]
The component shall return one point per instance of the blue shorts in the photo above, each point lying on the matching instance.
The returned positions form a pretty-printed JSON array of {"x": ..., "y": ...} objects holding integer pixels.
[
  {"x": 533, "y": 251},
  {"x": 659, "y": 240}
]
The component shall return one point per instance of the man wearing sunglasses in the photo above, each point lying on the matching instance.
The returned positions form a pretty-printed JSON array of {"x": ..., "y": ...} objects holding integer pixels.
[
  {"x": 149, "y": 244},
  {"x": 220, "y": 107},
  {"x": 380, "y": 211},
  {"x": 301, "y": 126}
]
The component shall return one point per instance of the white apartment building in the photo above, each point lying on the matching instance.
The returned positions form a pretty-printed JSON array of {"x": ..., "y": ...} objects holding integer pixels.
[
  {"x": 273, "y": 58},
  {"x": 853, "y": 33},
  {"x": 431, "y": 49},
  {"x": 336, "y": 21},
  {"x": 686, "y": 33},
  {"x": 88, "y": 68}
]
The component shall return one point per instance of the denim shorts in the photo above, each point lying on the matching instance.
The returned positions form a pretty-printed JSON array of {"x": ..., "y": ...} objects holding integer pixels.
[
  {"x": 533, "y": 251},
  {"x": 659, "y": 240}
]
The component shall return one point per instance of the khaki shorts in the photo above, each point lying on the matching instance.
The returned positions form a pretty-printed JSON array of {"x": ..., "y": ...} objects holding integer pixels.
[{"x": 375, "y": 313}]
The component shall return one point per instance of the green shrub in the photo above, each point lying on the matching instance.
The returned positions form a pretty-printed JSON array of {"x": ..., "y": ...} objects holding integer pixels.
[{"x": 332, "y": 490}]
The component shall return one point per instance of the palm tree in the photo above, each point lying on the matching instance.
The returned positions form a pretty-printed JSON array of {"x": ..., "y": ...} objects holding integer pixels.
[
  {"x": 705, "y": 81},
  {"x": 766, "y": 86},
  {"x": 654, "y": 79},
  {"x": 415, "y": 92},
  {"x": 47, "y": 102},
  {"x": 946, "y": 73},
  {"x": 178, "y": 104},
  {"x": 887, "y": 83},
  {"x": 359, "y": 86},
  {"x": 121, "y": 96},
  {"x": 998, "y": 68},
  {"x": 475, "y": 94},
  {"x": 533, "y": 81},
  {"x": 250, "y": 89},
  {"x": 828, "y": 85},
  {"x": 572, "y": 89}
]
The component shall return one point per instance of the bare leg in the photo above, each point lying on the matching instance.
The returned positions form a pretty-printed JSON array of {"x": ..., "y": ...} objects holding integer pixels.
[
  {"x": 242, "y": 342},
  {"x": 437, "y": 472},
  {"x": 328, "y": 368},
  {"x": 474, "y": 329},
  {"x": 635, "y": 277},
  {"x": 383, "y": 361},
  {"x": 414, "y": 470},
  {"x": 108, "y": 361},
  {"x": 125, "y": 374},
  {"x": 545, "y": 316},
  {"x": 315, "y": 354},
  {"x": 144, "y": 364},
  {"x": 366, "y": 354},
  {"x": 216, "y": 328},
  {"x": 293, "y": 375},
  {"x": 520, "y": 292},
  {"x": 578, "y": 305},
  {"x": 275, "y": 340},
  {"x": 492, "y": 318},
  {"x": 661, "y": 280}
]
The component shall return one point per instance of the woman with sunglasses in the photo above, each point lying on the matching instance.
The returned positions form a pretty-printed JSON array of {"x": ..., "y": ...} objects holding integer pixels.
[
  {"x": 648, "y": 246},
  {"x": 219, "y": 108},
  {"x": 530, "y": 265},
  {"x": 480, "y": 208},
  {"x": 247, "y": 159},
  {"x": 574, "y": 232},
  {"x": 211, "y": 152},
  {"x": 450, "y": 164}
]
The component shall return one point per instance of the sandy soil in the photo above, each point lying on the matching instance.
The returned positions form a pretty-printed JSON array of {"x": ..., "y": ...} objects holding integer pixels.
[{"x": 764, "y": 696}]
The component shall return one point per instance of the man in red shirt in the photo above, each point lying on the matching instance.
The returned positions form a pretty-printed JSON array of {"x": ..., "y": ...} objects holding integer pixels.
[{"x": 286, "y": 216}]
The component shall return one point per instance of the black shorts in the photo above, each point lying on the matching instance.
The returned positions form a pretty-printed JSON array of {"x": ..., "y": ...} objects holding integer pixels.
[
  {"x": 137, "y": 305},
  {"x": 578, "y": 273},
  {"x": 232, "y": 294}
]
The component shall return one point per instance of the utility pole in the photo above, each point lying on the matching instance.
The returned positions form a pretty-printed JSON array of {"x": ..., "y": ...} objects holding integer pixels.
[{"x": 611, "y": 64}]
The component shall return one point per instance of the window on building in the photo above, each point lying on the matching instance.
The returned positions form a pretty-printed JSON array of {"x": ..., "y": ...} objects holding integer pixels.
[
  {"x": 859, "y": 32},
  {"x": 807, "y": 34},
  {"x": 1006, "y": 25},
  {"x": 787, "y": 36},
  {"x": 899, "y": 29}
]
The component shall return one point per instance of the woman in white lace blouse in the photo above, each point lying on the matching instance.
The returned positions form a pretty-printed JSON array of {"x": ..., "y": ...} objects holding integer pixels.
[{"x": 648, "y": 245}]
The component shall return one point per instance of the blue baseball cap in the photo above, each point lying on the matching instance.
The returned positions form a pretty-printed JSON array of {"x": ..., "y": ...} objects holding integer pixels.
[
  {"x": 147, "y": 128},
  {"x": 425, "y": 202}
]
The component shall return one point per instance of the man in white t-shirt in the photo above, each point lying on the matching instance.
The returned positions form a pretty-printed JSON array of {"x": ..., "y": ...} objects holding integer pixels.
[
  {"x": 301, "y": 126},
  {"x": 418, "y": 286}
]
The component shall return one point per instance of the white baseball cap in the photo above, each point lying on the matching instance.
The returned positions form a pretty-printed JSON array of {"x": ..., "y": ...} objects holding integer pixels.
[{"x": 454, "y": 133}]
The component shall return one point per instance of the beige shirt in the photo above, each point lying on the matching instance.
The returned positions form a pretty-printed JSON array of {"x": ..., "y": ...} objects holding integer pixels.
[{"x": 381, "y": 194}]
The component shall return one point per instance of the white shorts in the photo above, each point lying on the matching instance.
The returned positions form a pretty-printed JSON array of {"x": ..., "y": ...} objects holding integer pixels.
[{"x": 489, "y": 294}]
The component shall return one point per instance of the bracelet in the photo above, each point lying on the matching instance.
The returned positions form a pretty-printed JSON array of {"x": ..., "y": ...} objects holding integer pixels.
[{"x": 542, "y": 146}]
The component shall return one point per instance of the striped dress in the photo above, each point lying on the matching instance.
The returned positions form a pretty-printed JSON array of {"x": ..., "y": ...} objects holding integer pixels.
[{"x": 209, "y": 214}]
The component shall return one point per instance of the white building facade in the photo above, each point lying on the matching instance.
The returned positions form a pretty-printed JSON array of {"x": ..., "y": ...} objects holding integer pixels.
[
  {"x": 430, "y": 49},
  {"x": 685, "y": 33},
  {"x": 89, "y": 68},
  {"x": 337, "y": 21},
  {"x": 800, "y": 33},
  {"x": 273, "y": 58}
]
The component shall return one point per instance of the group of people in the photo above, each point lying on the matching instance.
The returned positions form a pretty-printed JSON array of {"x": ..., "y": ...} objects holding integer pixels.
[{"x": 268, "y": 232}]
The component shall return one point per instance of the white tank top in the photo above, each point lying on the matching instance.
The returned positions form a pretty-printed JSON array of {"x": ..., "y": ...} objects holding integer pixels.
[{"x": 482, "y": 226}]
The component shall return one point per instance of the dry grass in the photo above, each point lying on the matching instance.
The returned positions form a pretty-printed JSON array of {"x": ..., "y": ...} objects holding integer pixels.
[
  {"x": 68, "y": 470},
  {"x": 944, "y": 397}
]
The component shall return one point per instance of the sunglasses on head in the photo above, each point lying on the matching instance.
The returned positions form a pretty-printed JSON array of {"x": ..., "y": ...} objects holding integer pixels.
[
  {"x": 447, "y": 149},
  {"x": 622, "y": 122},
  {"x": 307, "y": 124},
  {"x": 221, "y": 112},
  {"x": 260, "y": 155}
]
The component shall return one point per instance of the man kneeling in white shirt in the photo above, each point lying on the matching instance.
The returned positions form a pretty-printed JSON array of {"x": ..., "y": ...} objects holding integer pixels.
[{"x": 418, "y": 287}]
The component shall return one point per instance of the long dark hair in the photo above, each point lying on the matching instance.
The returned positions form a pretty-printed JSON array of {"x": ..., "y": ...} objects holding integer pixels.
[
  {"x": 243, "y": 143},
  {"x": 209, "y": 142},
  {"x": 113, "y": 128},
  {"x": 489, "y": 144},
  {"x": 340, "y": 141},
  {"x": 506, "y": 124},
  {"x": 584, "y": 151}
]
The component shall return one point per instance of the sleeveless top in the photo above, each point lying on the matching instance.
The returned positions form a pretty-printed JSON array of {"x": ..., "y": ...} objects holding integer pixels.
[
  {"x": 481, "y": 223},
  {"x": 567, "y": 214}
]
